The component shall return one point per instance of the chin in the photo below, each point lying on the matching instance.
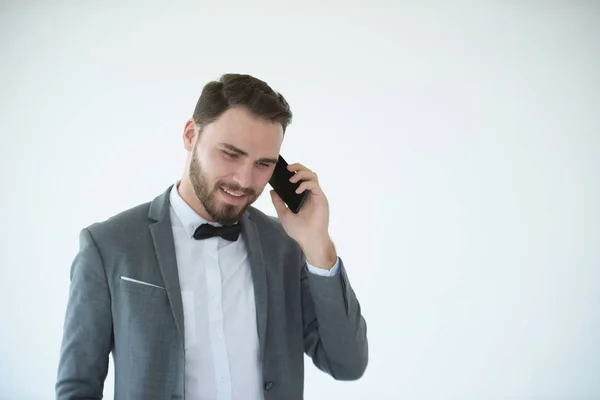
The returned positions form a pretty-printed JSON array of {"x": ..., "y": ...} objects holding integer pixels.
[{"x": 229, "y": 213}]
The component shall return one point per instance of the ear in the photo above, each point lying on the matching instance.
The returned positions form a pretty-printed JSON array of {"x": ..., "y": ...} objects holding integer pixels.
[{"x": 189, "y": 134}]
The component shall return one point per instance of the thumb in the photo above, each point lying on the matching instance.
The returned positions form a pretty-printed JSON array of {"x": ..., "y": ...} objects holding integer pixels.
[{"x": 280, "y": 207}]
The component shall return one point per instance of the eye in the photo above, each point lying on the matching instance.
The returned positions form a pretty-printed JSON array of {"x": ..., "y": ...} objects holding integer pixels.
[
  {"x": 263, "y": 164},
  {"x": 230, "y": 155}
]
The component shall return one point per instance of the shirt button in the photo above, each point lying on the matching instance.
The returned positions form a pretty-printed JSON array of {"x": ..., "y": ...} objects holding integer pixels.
[{"x": 269, "y": 385}]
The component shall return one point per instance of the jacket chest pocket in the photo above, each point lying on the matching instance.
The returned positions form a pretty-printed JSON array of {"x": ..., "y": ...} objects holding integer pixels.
[{"x": 149, "y": 318}]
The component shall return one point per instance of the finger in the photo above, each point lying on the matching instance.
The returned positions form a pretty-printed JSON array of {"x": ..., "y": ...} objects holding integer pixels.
[
  {"x": 303, "y": 175},
  {"x": 297, "y": 167},
  {"x": 312, "y": 186},
  {"x": 279, "y": 205}
]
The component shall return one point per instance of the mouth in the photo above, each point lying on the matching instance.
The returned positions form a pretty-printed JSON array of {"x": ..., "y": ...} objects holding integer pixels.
[{"x": 233, "y": 196}]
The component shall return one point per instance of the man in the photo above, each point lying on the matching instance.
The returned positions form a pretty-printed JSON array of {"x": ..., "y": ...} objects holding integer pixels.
[{"x": 199, "y": 295}]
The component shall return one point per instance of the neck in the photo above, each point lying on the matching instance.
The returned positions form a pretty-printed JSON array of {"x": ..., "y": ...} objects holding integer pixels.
[{"x": 186, "y": 191}]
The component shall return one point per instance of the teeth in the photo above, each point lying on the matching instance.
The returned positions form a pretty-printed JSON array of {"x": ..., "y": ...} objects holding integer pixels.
[{"x": 236, "y": 194}]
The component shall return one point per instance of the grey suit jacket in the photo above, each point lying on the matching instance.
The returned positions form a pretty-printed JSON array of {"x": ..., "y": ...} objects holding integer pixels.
[{"x": 297, "y": 312}]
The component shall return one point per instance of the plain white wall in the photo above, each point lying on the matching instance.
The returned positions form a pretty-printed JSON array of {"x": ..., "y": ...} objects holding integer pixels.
[{"x": 459, "y": 147}]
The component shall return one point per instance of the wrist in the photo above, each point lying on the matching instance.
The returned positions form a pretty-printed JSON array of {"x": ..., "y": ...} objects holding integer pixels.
[{"x": 320, "y": 253}]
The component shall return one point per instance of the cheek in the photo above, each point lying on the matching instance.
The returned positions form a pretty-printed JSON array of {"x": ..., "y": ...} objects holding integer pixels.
[
  {"x": 218, "y": 169},
  {"x": 262, "y": 177}
]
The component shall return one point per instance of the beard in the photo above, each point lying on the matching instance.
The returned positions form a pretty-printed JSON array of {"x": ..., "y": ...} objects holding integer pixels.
[{"x": 220, "y": 211}]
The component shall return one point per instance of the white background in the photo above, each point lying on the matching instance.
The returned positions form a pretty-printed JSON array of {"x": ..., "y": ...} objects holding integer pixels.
[{"x": 459, "y": 147}]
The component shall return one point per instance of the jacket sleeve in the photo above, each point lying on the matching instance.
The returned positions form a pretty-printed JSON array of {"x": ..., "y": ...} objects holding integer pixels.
[
  {"x": 87, "y": 334},
  {"x": 335, "y": 332}
]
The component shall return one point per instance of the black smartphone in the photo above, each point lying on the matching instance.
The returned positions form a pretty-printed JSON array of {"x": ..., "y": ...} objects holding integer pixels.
[{"x": 280, "y": 182}]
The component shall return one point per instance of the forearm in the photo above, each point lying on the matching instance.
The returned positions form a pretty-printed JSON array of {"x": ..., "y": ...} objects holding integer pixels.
[{"x": 337, "y": 338}]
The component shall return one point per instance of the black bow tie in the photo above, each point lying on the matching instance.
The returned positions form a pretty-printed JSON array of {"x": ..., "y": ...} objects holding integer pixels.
[{"x": 229, "y": 232}]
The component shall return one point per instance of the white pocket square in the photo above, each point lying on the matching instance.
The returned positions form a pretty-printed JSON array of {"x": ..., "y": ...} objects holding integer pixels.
[{"x": 140, "y": 282}]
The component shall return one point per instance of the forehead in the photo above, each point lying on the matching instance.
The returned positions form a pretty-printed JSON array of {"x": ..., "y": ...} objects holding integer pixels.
[{"x": 238, "y": 127}]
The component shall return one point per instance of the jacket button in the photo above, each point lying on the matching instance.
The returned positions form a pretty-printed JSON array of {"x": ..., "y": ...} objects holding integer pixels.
[{"x": 269, "y": 385}]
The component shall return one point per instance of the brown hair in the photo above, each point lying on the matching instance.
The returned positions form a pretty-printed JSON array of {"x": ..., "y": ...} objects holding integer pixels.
[{"x": 241, "y": 90}]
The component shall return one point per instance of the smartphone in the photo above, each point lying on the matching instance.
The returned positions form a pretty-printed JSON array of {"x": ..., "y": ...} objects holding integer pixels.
[{"x": 280, "y": 182}]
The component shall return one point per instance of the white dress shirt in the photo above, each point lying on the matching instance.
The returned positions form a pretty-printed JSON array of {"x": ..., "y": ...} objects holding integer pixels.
[{"x": 222, "y": 357}]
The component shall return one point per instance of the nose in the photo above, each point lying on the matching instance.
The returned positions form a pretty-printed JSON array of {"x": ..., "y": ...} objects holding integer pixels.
[{"x": 243, "y": 176}]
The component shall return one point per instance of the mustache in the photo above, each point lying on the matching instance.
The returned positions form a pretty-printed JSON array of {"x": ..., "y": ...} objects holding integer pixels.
[{"x": 237, "y": 188}]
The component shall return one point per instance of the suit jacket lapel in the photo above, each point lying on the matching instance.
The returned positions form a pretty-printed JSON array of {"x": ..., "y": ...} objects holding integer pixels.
[
  {"x": 164, "y": 245},
  {"x": 259, "y": 275}
]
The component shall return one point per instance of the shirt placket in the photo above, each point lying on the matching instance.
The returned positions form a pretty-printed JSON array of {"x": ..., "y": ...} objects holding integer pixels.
[{"x": 214, "y": 290}]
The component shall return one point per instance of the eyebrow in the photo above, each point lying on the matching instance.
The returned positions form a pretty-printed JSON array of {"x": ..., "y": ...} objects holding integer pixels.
[{"x": 241, "y": 152}]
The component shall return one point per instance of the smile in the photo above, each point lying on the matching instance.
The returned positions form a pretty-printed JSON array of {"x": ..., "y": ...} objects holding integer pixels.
[{"x": 232, "y": 193}]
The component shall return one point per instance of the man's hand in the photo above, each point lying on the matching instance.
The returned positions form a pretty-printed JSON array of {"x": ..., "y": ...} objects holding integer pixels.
[{"x": 310, "y": 227}]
